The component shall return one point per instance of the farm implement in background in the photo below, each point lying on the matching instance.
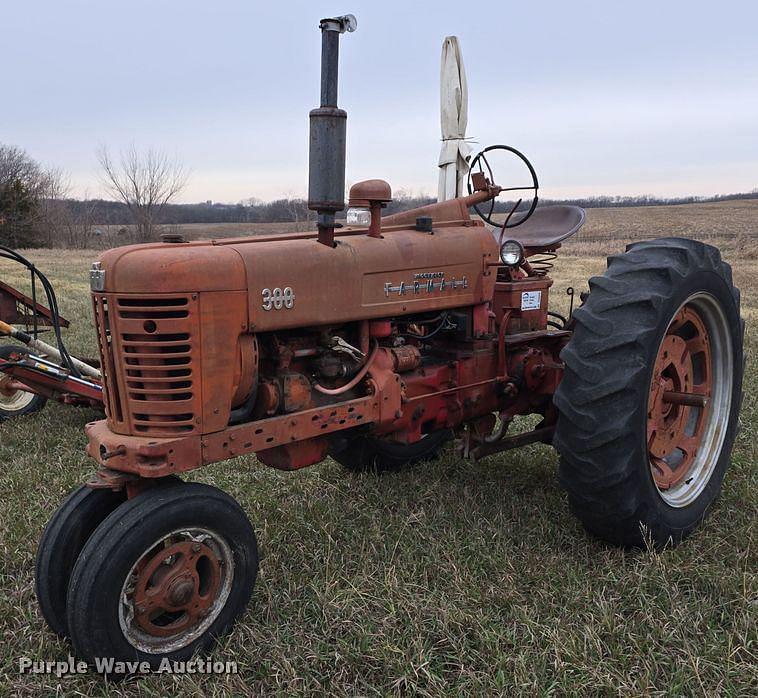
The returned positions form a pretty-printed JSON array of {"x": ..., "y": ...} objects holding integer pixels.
[{"x": 37, "y": 371}]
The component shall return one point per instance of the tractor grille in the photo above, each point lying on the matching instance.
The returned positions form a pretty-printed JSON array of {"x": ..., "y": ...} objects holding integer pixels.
[{"x": 148, "y": 347}]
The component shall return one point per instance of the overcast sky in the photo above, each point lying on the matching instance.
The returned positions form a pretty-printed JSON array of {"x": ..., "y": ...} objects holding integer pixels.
[{"x": 604, "y": 97}]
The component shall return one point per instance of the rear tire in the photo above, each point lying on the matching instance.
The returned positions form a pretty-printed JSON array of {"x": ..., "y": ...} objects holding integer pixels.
[
  {"x": 637, "y": 465},
  {"x": 16, "y": 403},
  {"x": 362, "y": 453}
]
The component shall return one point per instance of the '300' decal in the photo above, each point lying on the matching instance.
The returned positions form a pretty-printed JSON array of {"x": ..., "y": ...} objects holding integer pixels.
[{"x": 278, "y": 298}]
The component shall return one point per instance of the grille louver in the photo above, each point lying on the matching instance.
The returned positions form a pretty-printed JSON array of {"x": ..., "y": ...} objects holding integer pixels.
[{"x": 151, "y": 344}]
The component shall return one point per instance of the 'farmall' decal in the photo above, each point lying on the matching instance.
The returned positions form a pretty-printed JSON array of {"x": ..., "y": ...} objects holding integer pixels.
[{"x": 426, "y": 282}]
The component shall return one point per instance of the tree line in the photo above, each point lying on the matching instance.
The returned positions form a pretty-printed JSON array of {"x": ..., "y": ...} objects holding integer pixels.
[{"x": 37, "y": 211}]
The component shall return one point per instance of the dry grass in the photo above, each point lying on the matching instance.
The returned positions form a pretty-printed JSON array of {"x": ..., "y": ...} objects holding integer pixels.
[
  {"x": 730, "y": 225},
  {"x": 448, "y": 579}
]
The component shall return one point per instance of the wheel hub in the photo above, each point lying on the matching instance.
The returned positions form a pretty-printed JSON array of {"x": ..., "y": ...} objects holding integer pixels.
[
  {"x": 180, "y": 592},
  {"x": 680, "y": 389},
  {"x": 11, "y": 398},
  {"x": 175, "y": 591},
  {"x": 5, "y": 389}
]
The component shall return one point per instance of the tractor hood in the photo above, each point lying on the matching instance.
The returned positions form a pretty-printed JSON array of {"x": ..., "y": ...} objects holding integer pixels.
[{"x": 169, "y": 268}]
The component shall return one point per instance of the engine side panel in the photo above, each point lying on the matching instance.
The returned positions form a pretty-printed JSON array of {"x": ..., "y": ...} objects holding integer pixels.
[{"x": 302, "y": 283}]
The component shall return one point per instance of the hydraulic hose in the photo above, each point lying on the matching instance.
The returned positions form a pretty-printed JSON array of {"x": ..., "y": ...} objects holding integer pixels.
[
  {"x": 353, "y": 381},
  {"x": 52, "y": 301}
]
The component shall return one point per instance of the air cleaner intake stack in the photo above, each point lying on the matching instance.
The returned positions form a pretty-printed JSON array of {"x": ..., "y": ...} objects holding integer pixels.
[{"x": 326, "y": 175}]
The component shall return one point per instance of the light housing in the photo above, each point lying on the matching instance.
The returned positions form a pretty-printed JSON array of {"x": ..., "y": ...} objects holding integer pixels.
[
  {"x": 359, "y": 217},
  {"x": 511, "y": 253},
  {"x": 349, "y": 22}
]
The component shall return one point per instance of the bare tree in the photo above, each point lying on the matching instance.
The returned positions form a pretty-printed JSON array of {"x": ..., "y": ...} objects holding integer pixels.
[
  {"x": 298, "y": 213},
  {"x": 145, "y": 183},
  {"x": 70, "y": 223}
]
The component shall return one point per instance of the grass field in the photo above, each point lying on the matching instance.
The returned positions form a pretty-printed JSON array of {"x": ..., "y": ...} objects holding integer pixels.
[{"x": 447, "y": 579}]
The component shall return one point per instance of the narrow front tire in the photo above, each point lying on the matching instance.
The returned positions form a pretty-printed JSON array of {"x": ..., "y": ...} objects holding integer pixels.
[
  {"x": 180, "y": 563},
  {"x": 62, "y": 541}
]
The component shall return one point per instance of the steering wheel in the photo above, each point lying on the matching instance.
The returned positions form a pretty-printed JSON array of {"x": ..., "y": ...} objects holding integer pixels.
[{"x": 479, "y": 163}]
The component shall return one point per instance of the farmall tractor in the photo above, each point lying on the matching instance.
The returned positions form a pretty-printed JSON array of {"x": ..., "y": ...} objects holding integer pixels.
[{"x": 376, "y": 343}]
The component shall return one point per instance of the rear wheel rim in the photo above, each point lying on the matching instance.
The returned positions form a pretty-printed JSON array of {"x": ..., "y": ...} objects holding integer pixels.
[
  {"x": 176, "y": 590},
  {"x": 693, "y": 365},
  {"x": 12, "y": 400}
]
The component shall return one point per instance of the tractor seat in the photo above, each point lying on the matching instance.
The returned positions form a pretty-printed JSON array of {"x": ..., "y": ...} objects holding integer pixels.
[{"x": 546, "y": 227}]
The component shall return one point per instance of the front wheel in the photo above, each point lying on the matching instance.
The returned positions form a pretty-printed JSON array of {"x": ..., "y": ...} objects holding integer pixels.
[
  {"x": 180, "y": 563},
  {"x": 649, "y": 402},
  {"x": 64, "y": 537}
]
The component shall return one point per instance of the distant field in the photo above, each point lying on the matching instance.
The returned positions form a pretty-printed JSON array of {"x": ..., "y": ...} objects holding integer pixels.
[
  {"x": 447, "y": 579},
  {"x": 206, "y": 231},
  {"x": 728, "y": 224}
]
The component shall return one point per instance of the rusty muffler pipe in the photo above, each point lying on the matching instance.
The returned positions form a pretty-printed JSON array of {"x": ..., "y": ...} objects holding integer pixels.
[{"x": 326, "y": 172}]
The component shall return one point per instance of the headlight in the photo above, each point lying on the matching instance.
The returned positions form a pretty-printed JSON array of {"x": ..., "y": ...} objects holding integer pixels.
[
  {"x": 360, "y": 217},
  {"x": 512, "y": 253}
]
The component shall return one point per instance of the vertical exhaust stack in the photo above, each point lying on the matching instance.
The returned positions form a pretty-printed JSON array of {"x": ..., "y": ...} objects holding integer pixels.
[{"x": 326, "y": 174}]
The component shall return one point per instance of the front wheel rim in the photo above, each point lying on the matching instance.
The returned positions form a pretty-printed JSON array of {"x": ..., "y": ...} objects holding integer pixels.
[
  {"x": 690, "y": 400},
  {"x": 176, "y": 590}
]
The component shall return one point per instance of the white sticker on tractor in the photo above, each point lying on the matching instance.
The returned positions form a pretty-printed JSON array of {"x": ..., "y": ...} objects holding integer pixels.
[{"x": 531, "y": 300}]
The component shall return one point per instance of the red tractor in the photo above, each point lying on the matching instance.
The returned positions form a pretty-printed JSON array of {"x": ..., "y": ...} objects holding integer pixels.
[{"x": 377, "y": 343}]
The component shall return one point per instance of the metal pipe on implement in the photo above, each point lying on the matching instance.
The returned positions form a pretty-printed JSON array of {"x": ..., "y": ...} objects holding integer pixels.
[{"x": 44, "y": 348}]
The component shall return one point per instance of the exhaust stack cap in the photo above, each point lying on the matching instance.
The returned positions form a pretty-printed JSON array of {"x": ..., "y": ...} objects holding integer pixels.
[{"x": 345, "y": 23}]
